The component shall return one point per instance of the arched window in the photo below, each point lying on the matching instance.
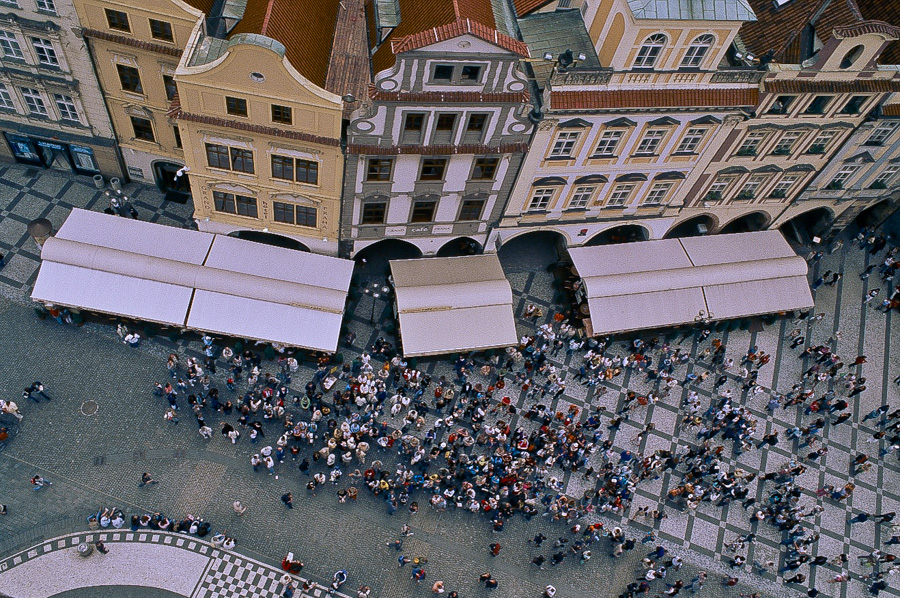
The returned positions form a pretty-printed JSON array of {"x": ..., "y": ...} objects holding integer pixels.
[
  {"x": 696, "y": 52},
  {"x": 649, "y": 51}
]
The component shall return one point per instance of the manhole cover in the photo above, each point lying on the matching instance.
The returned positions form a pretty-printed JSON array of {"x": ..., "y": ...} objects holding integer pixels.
[{"x": 89, "y": 408}]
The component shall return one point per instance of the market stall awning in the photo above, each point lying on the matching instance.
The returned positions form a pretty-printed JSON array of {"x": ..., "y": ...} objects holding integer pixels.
[
  {"x": 656, "y": 284},
  {"x": 195, "y": 280},
  {"x": 453, "y": 304}
]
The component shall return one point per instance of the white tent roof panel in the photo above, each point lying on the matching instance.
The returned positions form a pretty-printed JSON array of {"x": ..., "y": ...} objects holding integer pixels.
[
  {"x": 736, "y": 247},
  {"x": 755, "y": 298},
  {"x": 657, "y": 309},
  {"x": 629, "y": 257},
  {"x": 437, "y": 333}
]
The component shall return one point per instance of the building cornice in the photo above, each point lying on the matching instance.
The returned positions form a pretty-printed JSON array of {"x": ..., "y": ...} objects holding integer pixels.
[{"x": 134, "y": 43}]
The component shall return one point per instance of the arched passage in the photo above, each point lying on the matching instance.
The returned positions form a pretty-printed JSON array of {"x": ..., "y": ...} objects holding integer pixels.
[
  {"x": 533, "y": 250},
  {"x": 747, "y": 223},
  {"x": 692, "y": 227},
  {"x": 459, "y": 247},
  {"x": 626, "y": 233},
  {"x": 269, "y": 239},
  {"x": 373, "y": 262},
  {"x": 803, "y": 227},
  {"x": 876, "y": 214}
]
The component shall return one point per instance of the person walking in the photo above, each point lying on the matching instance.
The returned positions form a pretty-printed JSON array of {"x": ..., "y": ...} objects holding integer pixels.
[
  {"x": 288, "y": 500},
  {"x": 101, "y": 547},
  {"x": 37, "y": 482},
  {"x": 239, "y": 509},
  {"x": 495, "y": 548},
  {"x": 146, "y": 480}
]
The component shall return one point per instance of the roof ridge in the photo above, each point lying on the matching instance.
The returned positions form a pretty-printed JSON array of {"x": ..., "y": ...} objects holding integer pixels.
[{"x": 265, "y": 23}]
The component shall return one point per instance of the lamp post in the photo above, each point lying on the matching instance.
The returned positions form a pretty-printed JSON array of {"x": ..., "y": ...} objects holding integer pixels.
[{"x": 376, "y": 290}]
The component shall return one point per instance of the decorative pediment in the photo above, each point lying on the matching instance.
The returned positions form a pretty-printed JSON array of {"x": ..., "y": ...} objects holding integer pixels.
[
  {"x": 801, "y": 168},
  {"x": 767, "y": 168},
  {"x": 861, "y": 158},
  {"x": 590, "y": 179},
  {"x": 549, "y": 180},
  {"x": 665, "y": 121},
  {"x": 621, "y": 122},
  {"x": 734, "y": 170},
  {"x": 706, "y": 120},
  {"x": 575, "y": 123},
  {"x": 631, "y": 177},
  {"x": 672, "y": 175}
]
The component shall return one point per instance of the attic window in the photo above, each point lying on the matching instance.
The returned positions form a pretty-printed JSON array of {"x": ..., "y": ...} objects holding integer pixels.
[
  {"x": 852, "y": 56},
  {"x": 443, "y": 72}
]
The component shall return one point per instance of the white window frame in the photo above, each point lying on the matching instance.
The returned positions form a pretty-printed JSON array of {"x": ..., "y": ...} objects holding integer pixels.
[
  {"x": 6, "y": 100},
  {"x": 649, "y": 51},
  {"x": 787, "y": 142},
  {"x": 753, "y": 140},
  {"x": 824, "y": 138},
  {"x": 564, "y": 144},
  {"x": 691, "y": 140},
  {"x": 657, "y": 194},
  {"x": 540, "y": 199},
  {"x": 885, "y": 175},
  {"x": 45, "y": 51},
  {"x": 785, "y": 184},
  {"x": 751, "y": 186},
  {"x": 696, "y": 52},
  {"x": 881, "y": 133},
  {"x": 34, "y": 101},
  {"x": 582, "y": 196},
  {"x": 843, "y": 175},
  {"x": 620, "y": 195},
  {"x": 67, "y": 108},
  {"x": 10, "y": 45},
  {"x": 650, "y": 142},
  {"x": 609, "y": 141},
  {"x": 721, "y": 184},
  {"x": 46, "y": 5}
]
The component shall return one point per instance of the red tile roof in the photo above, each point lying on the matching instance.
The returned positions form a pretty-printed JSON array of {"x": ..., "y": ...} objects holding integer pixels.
[
  {"x": 852, "y": 86},
  {"x": 176, "y": 112},
  {"x": 524, "y": 7},
  {"x": 884, "y": 10},
  {"x": 434, "y": 97},
  {"x": 205, "y": 5},
  {"x": 304, "y": 27},
  {"x": 132, "y": 42},
  {"x": 427, "y": 22},
  {"x": 653, "y": 98},
  {"x": 891, "y": 110},
  {"x": 437, "y": 150}
]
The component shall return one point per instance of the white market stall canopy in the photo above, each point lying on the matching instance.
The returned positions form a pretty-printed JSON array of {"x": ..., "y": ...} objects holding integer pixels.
[
  {"x": 453, "y": 304},
  {"x": 196, "y": 280},
  {"x": 656, "y": 284}
]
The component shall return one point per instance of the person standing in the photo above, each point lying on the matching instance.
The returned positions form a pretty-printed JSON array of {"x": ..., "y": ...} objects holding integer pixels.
[
  {"x": 146, "y": 480},
  {"x": 101, "y": 547},
  {"x": 239, "y": 509},
  {"x": 37, "y": 482},
  {"x": 288, "y": 500}
]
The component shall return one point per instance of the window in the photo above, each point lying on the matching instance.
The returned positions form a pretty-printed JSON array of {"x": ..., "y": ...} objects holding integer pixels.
[
  {"x": 34, "y": 101},
  {"x": 373, "y": 212},
  {"x": 657, "y": 194},
  {"x": 379, "y": 169},
  {"x": 10, "y": 45},
  {"x": 307, "y": 216},
  {"x": 690, "y": 141},
  {"x": 620, "y": 195},
  {"x": 143, "y": 129},
  {"x": 443, "y": 73},
  {"x": 582, "y": 196},
  {"x": 697, "y": 51},
  {"x": 130, "y": 78},
  {"x": 881, "y": 133},
  {"x": 217, "y": 156},
  {"x": 443, "y": 128},
  {"x": 540, "y": 199},
  {"x": 786, "y": 143},
  {"x": 282, "y": 168},
  {"x": 413, "y": 125},
  {"x": 475, "y": 127},
  {"x": 433, "y": 169},
  {"x": 748, "y": 191},
  {"x": 423, "y": 210},
  {"x": 564, "y": 144},
  {"x": 47, "y": 5},
  {"x": 471, "y": 73},
  {"x": 161, "y": 30},
  {"x": 171, "y": 88},
  {"x": 840, "y": 179},
  {"x": 783, "y": 187},
  {"x": 818, "y": 105},
  {"x": 291, "y": 214},
  {"x": 66, "y": 107},
  {"x": 485, "y": 168},
  {"x": 608, "y": 142},
  {"x": 307, "y": 171},
  {"x": 751, "y": 144},
  {"x": 650, "y": 143},
  {"x": 235, "y": 204},
  {"x": 851, "y": 56},
  {"x": 883, "y": 180},
  {"x": 242, "y": 160},
  {"x": 116, "y": 19},
  {"x": 5, "y": 98},
  {"x": 781, "y": 104},
  {"x": 718, "y": 188},
  {"x": 177, "y": 132},
  {"x": 820, "y": 143},
  {"x": 236, "y": 106},
  {"x": 282, "y": 114},
  {"x": 649, "y": 51},
  {"x": 283, "y": 212},
  {"x": 46, "y": 55},
  {"x": 854, "y": 104},
  {"x": 471, "y": 209}
]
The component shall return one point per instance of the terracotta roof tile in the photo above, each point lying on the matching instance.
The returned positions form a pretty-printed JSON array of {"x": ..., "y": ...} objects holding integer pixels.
[
  {"x": 434, "y": 97},
  {"x": 205, "y": 5},
  {"x": 653, "y": 98},
  {"x": 455, "y": 29},
  {"x": 304, "y": 27},
  {"x": 437, "y": 150},
  {"x": 177, "y": 112},
  {"x": 884, "y": 10},
  {"x": 524, "y": 7},
  {"x": 891, "y": 110},
  {"x": 853, "y": 86},
  {"x": 134, "y": 43}
]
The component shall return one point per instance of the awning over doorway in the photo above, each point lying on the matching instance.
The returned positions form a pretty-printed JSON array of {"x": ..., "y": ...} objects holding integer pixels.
[
  {"x": 671, "y": 282},
  {"x": 196, "y": 280},
  {"x": 453, "y": 304}
]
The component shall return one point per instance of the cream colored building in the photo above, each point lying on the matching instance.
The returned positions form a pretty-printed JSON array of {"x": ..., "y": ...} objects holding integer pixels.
[{"x": 136, "y": 47}]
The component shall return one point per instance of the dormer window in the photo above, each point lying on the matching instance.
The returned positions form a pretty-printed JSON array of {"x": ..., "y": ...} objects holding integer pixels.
[
  {"x": 696, "y": 52},
  {"x": 456, "y": 74},
  {"x": 471, "y": 73},
  {"x": 649, "y": 52},
  {"x": 443, "y": 73}
]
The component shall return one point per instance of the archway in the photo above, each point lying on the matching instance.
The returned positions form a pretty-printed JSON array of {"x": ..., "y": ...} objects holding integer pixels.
[
  {"x": 269, "y": 239},
  {"x": 626, "y": 233},
  {"x": 692, "y": 227},
  {"x": 459, "y": 247},
  {"x": 803, "y": 227},
  {"x": 533, "y": 250},
  {"x": 747, "y": 223},
  {"x": 176, "y": 188},
  {"x": 373, "y": 262},
  {"x": 876, "y": 214}
]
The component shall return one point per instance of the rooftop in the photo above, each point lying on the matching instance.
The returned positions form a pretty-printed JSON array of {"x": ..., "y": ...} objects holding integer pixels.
[
  {"x": 554, "y": 33},
  {"x": 692, "y": 10}
]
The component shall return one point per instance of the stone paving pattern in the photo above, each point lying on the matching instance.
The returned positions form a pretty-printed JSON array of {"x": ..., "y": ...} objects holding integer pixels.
[{"x": 95, "y": 460}]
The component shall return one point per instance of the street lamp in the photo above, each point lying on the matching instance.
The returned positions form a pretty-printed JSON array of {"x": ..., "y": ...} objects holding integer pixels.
[{"x": 376, "y": 290}]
